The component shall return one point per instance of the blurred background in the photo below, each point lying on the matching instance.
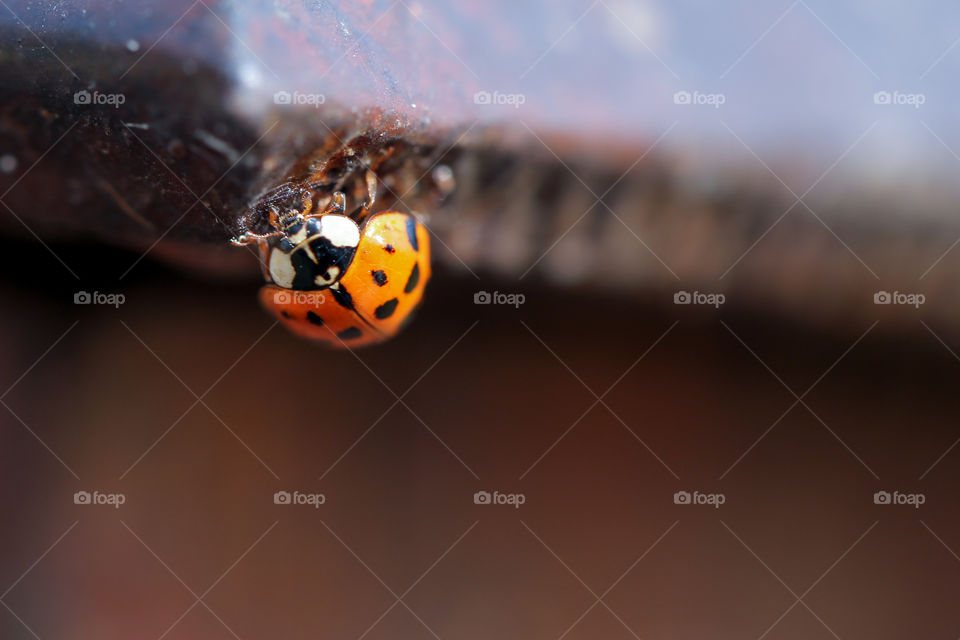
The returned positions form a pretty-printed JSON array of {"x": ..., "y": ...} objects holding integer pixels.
[{"x": 687, "y": 366}]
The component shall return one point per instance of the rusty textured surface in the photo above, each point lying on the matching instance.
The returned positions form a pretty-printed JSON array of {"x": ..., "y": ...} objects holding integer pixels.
[
  {"x": 200, "y": 148},
  {"x": 187, "y": 128}
]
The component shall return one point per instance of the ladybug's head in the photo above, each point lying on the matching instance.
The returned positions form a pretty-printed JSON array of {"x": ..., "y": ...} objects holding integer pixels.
[
  {"x": 314, "y": 253},
  {"x": 289, "y": 222}
]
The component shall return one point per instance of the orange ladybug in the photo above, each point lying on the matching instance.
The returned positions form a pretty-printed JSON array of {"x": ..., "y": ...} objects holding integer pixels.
[{"x": 339, "y": 282}]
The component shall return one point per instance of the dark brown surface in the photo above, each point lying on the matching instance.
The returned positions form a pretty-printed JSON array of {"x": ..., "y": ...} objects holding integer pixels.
[{"x": 284, "y": 413}]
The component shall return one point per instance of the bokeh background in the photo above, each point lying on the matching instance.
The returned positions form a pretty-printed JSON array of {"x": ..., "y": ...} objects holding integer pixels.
[{"x": 599, "y": 406}]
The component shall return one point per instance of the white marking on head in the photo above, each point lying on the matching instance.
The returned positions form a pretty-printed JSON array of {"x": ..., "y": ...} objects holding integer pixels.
[
  {"x": 281, "y": 269},
  {"x": 299, "y": 236},
  {"x": 341, "y": 231}
]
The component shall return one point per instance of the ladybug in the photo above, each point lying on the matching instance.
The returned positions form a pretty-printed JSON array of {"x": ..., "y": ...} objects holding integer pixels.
[{"x": 342, "y": 282}]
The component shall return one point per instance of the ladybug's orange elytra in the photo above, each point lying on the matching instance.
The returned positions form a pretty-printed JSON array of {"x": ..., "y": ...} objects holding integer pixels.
[{"x": 341, "y": 283}]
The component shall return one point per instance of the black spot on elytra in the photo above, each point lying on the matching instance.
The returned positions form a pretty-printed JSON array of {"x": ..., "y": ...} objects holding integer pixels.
[
  {"x": 389, "y": 249},
  {"x": 412, "y": 233},
  {"x": 343, "y": 297},
  {"x": 413, "y": 280},
  {"x": 285, "y": 314},
  {"x": 314, "y": 318},
  {"x": 386, "y": 310},
  {"x": 350, "y": 334},
  {"x": 380, "y": 277}
]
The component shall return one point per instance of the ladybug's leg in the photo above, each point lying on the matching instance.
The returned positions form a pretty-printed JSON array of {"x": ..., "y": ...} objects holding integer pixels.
[
  {"x": 338, "y": 204},
  {"x": 306, "y": 200},
  {"x": 275, "y": 218},
  {"x": 249, "y": 238},
  {"x": 371, "y": 179}
]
